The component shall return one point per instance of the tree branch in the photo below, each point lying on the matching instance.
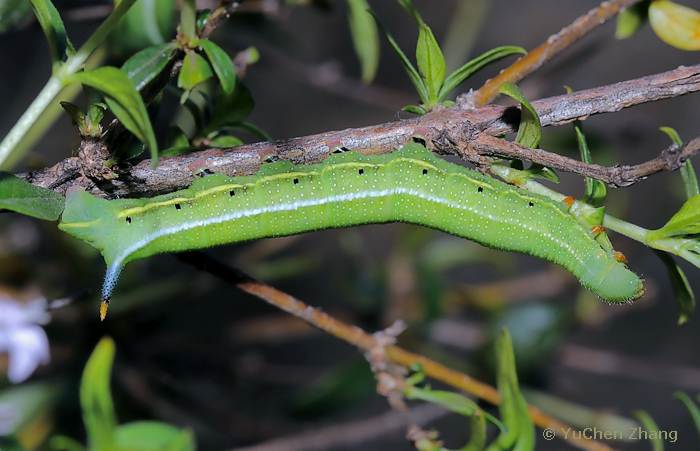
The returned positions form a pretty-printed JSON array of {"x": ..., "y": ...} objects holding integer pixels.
[
  {"x": 366, "y": 342},
  {"x": 539, "y": 56},
  {"x": 453, "y": 130}
]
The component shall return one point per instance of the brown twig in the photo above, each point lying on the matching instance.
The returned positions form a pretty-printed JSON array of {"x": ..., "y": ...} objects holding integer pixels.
[
  {"x": 367, "y": 343},
  {"x": 539, "y": 56},
  {"x": 671, "y": 159},
  {"x": 468, "y": 133}
]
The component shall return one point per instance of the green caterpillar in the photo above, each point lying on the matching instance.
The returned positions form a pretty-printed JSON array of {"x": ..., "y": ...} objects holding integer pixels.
[{"x": 411, "y": 185}]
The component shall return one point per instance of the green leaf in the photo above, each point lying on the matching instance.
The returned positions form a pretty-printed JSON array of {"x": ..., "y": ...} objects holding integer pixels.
[
  {"x": 690, "y": 180},
  {"x": 542, "y": 172},
  {"x": 222, "y": 64},
  {"x": 408, "y": 6},
  {"x": 685, "y": 222},
  {"x": 415, "y": 109},
  {"x": 202, "y": 19},
  {"x": 691, "y": 406},
  {"x": 632, "y": 19},
  {"x": 231, "y": 109},
  {"x": 466, "y": 71},
  {"x": 431, "y": 63},
  {"x": 53, "y": 27},
  {"x": 63, "y": 443},
  {"x": 595, "y": 189},
  {"x": 675, "y": 24},
  {"x": 224, "y": 141},
  {"x": 530, "y": 130},
  {"x": 477, "y": 441},
  {"x": 195, "y": 69},
  {"x": 410, "y": 70},
  {"x": 650, "y": 426},
  {"x": 147, "y": 23},
  {"x": 96, "y": 113},
  {"x": 23, "y": 197},
  {"x": 365, "y": 38},
  {"x": 454, "y": 402},
  {"x": 13, "y": 13},
  {"x": 177, "y": 137},
  {"x": 124, "y": 101},
  {"x": 673, "y": 134},
  {"x": 152, "y": 436},
  {"x": 147, "y": 64},
  {"x": 188, "y": 20},
  {"x": 681, "y": 288},
  {"x": 76, "y": 114},
  {"x": 96, "y": 398},
  {"x": 513, "y": 408}
]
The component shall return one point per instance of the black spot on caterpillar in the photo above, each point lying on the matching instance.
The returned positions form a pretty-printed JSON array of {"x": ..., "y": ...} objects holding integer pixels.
[{"x": 411, "y": 185}]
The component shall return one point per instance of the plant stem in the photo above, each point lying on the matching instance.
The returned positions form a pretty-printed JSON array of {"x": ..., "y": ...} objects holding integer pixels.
[
  {"x": 516, "y": 177},
  {"x": 47, "y": 94},
  {"x": 58, "y": 80}
]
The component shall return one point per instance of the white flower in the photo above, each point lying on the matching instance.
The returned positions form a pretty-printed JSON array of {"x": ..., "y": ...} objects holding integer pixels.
[{"x": 22, "y": 338}]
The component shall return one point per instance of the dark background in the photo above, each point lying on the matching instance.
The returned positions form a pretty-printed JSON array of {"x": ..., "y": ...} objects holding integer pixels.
[{"x": 196, "y": 352}]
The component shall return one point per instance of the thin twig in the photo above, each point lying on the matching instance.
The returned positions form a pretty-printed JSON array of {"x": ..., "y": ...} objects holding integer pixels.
[
  {"x": 539, "y": 56},
  {"x": 366, "y": 342},
  {"x": 448, "y": 130},
  {"x": 671, "y": 159}
]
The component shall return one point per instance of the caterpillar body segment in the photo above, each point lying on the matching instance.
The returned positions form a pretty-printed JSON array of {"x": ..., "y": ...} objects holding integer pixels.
[{"x": 411, "y": 185}]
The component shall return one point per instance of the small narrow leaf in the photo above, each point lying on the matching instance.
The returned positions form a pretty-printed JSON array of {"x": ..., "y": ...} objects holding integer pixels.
[
  {"x": 685, "y": 222},
  {"x": 188, "y": 20},
  {"x": 365, "y": 38},
  {"x": 454, "y": 402},
  {"x": 124, "y": 101},
  {"x": 632, "y": 19},
  {"x": 76, "y": 114},
  {"x": 96, "y": 397},
  {"x": 477, "y": 440},
  {"x": 147, "y": 64},
  {"x": 530, "y": 130},
  {"x": 595, "y": 189},
  {"x": 222, "y": 64},
  {"x": 224, "y": 141},
  {"x": 690, "y": 180},
  {"x": 408, "y": 6},
  {"x": 195, "y": 69},
  {"x": 53, "y": 27},
  {"x": 675, "y": 24},
  {"x": 471, "y": 67},
  {"x": 23, "y": 197},
  {"x": 691, "y": 406},
  {"x": 650, "y": 426},
  {"x": 542, "y": 172},
  {"x": 177, "y": 137},
  {"x": 410, "y": 70},
  {"x": 431, "y": 63},
  {"x": 415, "y": 109},
  {"x": 681, "y": 288},
  {"x": 508, "y": 407}
]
